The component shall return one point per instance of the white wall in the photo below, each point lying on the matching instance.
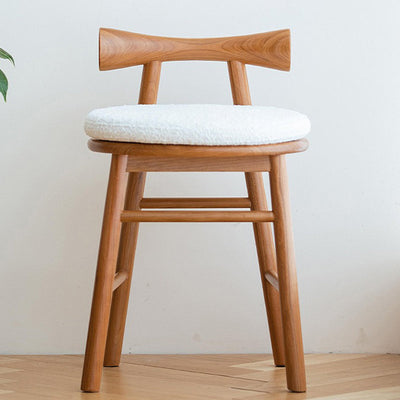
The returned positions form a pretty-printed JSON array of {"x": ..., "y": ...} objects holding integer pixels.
[{"x": 196, "y": 287}]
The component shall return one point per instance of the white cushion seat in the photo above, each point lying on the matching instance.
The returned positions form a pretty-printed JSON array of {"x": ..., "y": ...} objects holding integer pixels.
[{"x": 197, "y": 124}]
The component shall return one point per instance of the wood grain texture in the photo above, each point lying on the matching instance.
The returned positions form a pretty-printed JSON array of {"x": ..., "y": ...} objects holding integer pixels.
[
  {"x": 195, "y": 202},
  {"x": 121, "y": 49},
  {"x": 262, "y": 231},
  {"x": 239, "y": 83},
  {"x": 201, "y": 377},
  {"x": 106, "y": 268},
  {"x": 126, "y": 257},
  {"x": 267, "y": 264},
  {"x": 129, "y": 232},
  {"x": 186, "y": 151},
  {"x": 150, "y": 83},
  {"x": 201, "y": 164},
  {"x": 287, "y": 277},
  {"x": 197, "y": 216}
]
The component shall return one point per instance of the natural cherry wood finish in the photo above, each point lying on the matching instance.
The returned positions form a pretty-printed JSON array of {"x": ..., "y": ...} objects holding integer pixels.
[
  {"x": 109, "y": 309},
  {"x": 262, "y": 231},
  {"x": 196, "y": 202},
  {"x": 176, "y": 164},
  {"x": 267, "y": 263},
  {"x": 106, "y": 267},
  {"x": 294, "y": 355},
  {"x": 150, "y": 82},
  {"x": 126, "y": 256},
  {"x": 186, "y": 152},
  {"x": 240, "y": 85},
  {"x": 197, "y": 216},
  {"x": 120, "y": 49},
  {"x": 127, "y": 247}
]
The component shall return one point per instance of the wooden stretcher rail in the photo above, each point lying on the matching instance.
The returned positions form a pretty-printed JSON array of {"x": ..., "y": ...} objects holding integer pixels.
[
  {"x": 190, "y": 202},
  {"x": 197, "y": 216}
]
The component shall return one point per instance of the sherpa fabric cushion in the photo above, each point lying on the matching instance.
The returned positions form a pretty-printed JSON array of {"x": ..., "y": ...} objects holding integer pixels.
[{"x": 196, "y": 124}]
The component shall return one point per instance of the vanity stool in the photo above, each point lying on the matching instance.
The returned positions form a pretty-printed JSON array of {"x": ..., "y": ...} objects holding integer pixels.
[{"x": 150, "y": 138}]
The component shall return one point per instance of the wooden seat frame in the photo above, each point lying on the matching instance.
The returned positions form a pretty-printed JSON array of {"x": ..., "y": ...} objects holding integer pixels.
[{"x": 124, "y": 200}]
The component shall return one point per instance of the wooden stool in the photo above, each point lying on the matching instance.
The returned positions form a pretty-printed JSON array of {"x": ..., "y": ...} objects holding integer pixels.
[{"x": 124, "y": 202}]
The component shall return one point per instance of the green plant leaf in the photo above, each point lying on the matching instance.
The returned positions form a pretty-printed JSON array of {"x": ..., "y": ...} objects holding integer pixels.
[
  {"x": 3, "y": 85},
  {"x": 6, "y": 56}
]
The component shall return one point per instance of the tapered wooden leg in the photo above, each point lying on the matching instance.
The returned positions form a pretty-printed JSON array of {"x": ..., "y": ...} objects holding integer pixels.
[
  {"x": 106, "y": 265},
  {"x": 294, "y": 355},
  {"x": 126, "y": 256},
  {"x": 267, "y": 262}
]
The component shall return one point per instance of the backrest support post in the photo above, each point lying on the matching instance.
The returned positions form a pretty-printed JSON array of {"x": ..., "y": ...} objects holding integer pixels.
[
  {"x": 239, "y": 83},
  {"x": 150, "y": 82}
]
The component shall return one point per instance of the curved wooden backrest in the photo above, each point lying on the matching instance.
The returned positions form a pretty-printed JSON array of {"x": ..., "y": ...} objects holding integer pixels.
[{"x": 121, "y": 49}]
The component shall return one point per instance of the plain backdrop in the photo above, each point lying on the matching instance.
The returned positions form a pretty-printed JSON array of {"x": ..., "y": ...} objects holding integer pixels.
[{"x": 196, "y": 287}]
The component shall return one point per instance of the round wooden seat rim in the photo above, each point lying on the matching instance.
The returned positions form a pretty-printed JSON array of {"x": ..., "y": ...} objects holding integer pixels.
[{"x": 185, "y": 151}]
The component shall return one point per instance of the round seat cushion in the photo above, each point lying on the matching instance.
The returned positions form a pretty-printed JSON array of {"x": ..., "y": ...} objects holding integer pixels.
[{"x": 197, "y": 124}]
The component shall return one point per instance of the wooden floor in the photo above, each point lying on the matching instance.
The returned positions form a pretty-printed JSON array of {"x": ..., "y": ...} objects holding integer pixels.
[{"x": 192, "y": 377}]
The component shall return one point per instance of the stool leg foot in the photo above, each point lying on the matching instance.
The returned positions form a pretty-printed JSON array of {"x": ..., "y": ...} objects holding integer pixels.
[
  {"x": 295, "y": 369},
  {"x": 106, "y": 265},
  {"x": 126, "y": 256},
  {"x": 267, "y": 263}
]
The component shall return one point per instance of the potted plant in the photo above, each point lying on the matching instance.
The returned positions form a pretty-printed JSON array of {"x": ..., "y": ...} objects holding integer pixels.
[{"x": 3, "y": 78}]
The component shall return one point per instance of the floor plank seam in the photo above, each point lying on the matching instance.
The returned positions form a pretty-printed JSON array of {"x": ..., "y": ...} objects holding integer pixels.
[
  {"x": 250, "y": 390},
  {"x": 198, "y": 372},
  {"x": 374, "y": 377}
]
